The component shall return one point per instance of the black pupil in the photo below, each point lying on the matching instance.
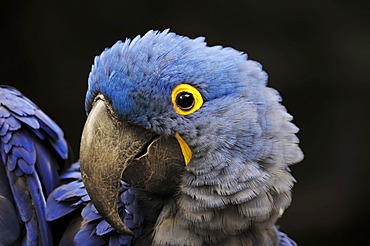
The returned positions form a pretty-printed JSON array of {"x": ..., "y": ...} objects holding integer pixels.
[{"x": 185, "y": 100}]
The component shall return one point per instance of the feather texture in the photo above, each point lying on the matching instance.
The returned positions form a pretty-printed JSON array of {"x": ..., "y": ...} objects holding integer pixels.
[
  {"x": 32, "y": 149},
  {"x": 92, "y": 229},
  {"x": 242, "y": 139},
  {"x": 284, "y": 240},
  {"x": 233, "y": 190}
]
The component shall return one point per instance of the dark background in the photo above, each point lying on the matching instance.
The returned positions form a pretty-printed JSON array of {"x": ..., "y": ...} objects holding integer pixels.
[{"x": 316, "y": 53}]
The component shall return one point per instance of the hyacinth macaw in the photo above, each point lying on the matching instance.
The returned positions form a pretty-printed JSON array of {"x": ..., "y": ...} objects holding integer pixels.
[{"x": 184, "y": 144}]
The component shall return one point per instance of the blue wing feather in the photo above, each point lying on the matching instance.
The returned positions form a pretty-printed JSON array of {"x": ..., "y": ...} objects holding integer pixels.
[
  {"x": 4, "y": 129},
  {"x": 89, "y": 213},
  {"x": 46, "y": 167},
  {"x": 4, "y": 113},
  {"x": 6, "y": 138},
  {"x": 32, "y": 150},
  {"x": 25, "y": 167},
  {"x": 46, "y": 124},
  {"x": 65, "y": 199},
  {"x": 31, "y": 238},
  {"x": 56, "y": 210},
  {"x": 54, "y": 132},
  {"x": 24, "y": 206},
  {"x": 103, "y": 227},
  {"x": 12, "y": 123},
  {"x": 75, "y": 189},
  {"x": 31, "y": 122},
  {"x": 21, "y": 196},
  {"x": 12, "y": 163},
  {"x": 39, "y": 205}
]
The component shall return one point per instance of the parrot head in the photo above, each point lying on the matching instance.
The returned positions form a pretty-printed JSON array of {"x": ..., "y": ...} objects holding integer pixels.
[{"x": 166, "y": 111}]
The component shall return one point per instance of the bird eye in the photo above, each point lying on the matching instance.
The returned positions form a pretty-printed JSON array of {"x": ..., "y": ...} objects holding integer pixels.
[{"x": 186, "y": 99}]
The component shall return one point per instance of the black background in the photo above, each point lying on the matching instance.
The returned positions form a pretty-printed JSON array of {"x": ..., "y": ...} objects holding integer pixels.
[{"x": 316, "y": 53}]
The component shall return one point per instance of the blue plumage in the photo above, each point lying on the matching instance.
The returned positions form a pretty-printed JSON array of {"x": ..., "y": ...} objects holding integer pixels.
[
  {"x": 93, "y": 229},
  {"x": 39, "y": 204},
  {"x": 237, "y": 182},
  {"x": 284, "y": 240},
  {"x": 234, "y": 187},
  {"x": 10, "y": 224},
  {"x": 30, "y": 172},
  {"x": 32, "y": 149}
]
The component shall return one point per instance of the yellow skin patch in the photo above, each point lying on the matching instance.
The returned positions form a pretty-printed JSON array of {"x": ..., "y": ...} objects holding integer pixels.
[
  {"x": 185, "y": 149},
  {"x": 198, "y": 102},
  {"x": 198, "y": 99}
]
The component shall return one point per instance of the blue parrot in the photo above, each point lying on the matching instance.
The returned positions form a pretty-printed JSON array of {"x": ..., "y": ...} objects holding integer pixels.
[
  {"x": 196, "y": 132},
  {"x": 184, "y": 144}
]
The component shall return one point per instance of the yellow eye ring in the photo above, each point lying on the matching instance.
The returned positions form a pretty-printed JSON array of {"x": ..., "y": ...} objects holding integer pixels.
[{"x": 186, "y": 99}]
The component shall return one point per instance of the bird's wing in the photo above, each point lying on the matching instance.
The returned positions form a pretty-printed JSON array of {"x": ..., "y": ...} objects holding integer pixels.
[
  {"x": 32, "y": 149},
  {"x": 87, "y": 226}
]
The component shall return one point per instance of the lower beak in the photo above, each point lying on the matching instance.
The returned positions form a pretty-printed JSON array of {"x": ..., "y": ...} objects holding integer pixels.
[{"x": 112, "y": 149}]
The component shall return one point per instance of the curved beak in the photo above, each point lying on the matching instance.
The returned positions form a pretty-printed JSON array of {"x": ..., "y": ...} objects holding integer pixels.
[{"x": 112, "y": 149}]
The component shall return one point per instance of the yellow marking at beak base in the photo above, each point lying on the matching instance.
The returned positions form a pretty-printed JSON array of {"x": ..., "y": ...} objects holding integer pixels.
[{"x": 185, "y": 149}]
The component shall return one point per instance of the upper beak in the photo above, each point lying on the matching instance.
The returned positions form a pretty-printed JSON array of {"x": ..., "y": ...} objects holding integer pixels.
[{"x": 112, "y": 149}]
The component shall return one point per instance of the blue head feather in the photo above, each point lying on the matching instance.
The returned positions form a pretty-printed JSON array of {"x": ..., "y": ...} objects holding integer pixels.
[{"x": 138, "y": 76}]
